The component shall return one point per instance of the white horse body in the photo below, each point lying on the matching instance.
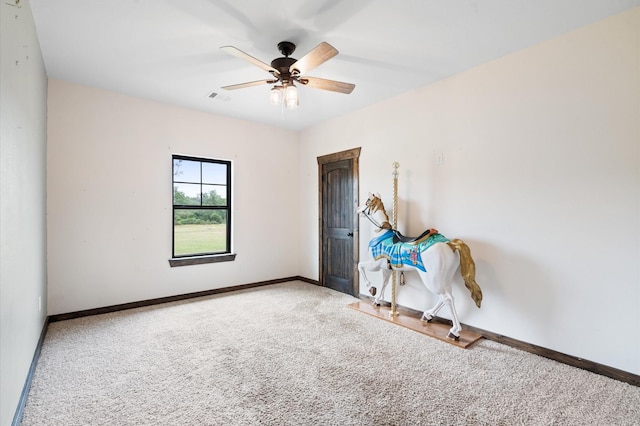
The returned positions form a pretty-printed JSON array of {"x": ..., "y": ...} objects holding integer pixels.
[{"x": 440, "y": 260}]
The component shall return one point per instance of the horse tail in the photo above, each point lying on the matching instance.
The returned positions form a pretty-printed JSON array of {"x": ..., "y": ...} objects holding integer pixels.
[{"x": 467, "y": 269}]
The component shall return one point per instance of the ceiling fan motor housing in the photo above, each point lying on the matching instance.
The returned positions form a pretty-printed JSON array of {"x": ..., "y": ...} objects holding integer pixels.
[{"x": 282, "y": 65}]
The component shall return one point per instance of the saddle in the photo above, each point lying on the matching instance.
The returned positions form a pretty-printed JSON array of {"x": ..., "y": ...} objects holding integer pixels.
[{"x": 399, "y": 238}]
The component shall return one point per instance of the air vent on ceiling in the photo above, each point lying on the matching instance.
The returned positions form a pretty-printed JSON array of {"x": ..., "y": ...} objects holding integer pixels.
[{"x": 219, "y": 97}]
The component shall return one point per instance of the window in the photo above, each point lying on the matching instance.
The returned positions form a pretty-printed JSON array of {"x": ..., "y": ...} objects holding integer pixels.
[{"x": 201, "y": 208}]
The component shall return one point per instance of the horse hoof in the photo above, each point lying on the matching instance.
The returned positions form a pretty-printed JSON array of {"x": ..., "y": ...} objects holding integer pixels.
[
  {"x": 426, "y": 318},
  {"x": 372, "y": 291},
  {"x": 453, "y": 336}
]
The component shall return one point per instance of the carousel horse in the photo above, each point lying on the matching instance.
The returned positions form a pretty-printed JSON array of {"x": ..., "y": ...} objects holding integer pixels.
[{"x": 434, "y": 257}]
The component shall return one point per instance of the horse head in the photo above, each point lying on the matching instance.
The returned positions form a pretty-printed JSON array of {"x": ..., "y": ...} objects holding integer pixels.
[{"x": 373, "y": 209}]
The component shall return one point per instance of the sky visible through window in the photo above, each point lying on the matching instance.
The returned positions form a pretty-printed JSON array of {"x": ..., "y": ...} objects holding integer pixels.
[{"x": 214, "y": 177}]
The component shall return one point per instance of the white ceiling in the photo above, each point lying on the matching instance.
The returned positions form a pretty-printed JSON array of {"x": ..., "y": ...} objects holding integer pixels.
[{"x": 168, "y": 50}]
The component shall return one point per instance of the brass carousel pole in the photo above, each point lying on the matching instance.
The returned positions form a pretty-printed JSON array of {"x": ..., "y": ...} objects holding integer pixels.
[{"x": 394, "y": 312}]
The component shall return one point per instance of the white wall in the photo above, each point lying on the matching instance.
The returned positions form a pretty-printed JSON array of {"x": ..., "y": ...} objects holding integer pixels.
[
  {"x": 109, "y": 198},
  {"x": 23, "y": 90},
  {"x": 541, "y": 177}
]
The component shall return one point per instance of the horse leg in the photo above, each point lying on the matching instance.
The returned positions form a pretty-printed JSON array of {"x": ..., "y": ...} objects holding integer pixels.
[
  {"x": 370, "y": 266},
  {"x": 454, "y": 332},
  {"x": 441, "y": 262},
  {"x": 386, "y": 274},
  {"x": 430, "y": 313}
]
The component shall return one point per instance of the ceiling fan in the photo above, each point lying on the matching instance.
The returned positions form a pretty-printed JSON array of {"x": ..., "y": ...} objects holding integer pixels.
[{"x": 286, "y": 71}]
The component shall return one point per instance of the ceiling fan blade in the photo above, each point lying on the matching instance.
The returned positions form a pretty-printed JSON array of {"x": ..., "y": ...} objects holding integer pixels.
[
  {"x": 249, "y": 84},
  {"x": 317, "y": 56},
  {"x": 257, "y": 62},
  {"x": 332, "y": 85}
]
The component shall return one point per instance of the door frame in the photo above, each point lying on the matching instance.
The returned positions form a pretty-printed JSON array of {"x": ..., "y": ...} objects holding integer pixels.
[{"x": 354, "y": 155}]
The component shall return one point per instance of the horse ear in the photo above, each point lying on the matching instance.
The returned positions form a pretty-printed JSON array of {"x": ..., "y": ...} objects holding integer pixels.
[
  {"x": 370, "y": 195},
  {"x": 378, "y": 195}
]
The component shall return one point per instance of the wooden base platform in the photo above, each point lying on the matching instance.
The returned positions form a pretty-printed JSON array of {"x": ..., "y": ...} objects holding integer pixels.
[{"x": 433, "y": 329}]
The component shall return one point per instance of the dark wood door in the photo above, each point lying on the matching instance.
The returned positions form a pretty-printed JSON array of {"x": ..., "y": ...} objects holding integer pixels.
[{"x": 339, "y": 223}]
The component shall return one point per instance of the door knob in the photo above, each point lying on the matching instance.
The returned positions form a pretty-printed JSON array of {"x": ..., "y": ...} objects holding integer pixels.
[{"x": 350, "y": 234}]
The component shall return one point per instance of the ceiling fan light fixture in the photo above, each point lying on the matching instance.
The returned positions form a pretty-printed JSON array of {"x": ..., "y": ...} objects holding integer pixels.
[
  {"x": 291, "y": 100},
  {"x": 276, "y": 95}
]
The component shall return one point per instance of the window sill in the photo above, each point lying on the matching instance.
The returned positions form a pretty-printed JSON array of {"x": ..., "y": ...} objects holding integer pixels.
[{"x": 199, "y": 260}]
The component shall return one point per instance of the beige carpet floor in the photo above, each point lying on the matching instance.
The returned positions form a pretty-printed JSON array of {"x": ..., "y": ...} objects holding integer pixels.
[{"x": 294, "y": 354}]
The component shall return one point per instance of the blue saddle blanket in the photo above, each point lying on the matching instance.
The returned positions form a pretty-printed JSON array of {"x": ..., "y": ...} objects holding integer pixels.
[{"x": 402, "y": 254}]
